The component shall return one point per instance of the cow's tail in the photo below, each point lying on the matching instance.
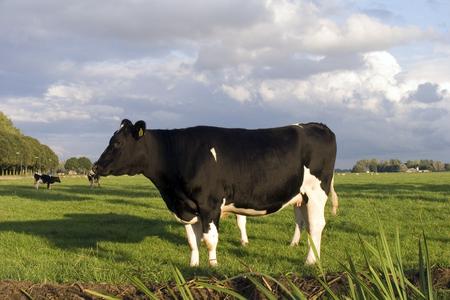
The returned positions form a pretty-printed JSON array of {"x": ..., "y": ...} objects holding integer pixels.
[{"x": 334, "y": 198}]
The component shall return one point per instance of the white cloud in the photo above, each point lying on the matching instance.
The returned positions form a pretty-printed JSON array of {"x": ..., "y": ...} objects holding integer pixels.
[
  {"x": 70, "y": 93},
  {"x": 267, "y": 62},
  {"x": 360, "y": 33},
  {"x": 237, "y": 92}
]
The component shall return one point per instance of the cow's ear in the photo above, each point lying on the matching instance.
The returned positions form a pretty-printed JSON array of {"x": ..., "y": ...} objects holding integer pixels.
[
  {"x": 139, "y": 129},
  {"x": 125, "y": 123}
]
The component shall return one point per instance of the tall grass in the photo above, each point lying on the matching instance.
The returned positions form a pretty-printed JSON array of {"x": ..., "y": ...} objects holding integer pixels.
[{"x": 381, "y": 277}]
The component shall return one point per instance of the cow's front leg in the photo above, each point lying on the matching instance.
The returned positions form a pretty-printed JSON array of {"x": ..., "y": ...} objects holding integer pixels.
[
  {"x": 194, "y": 236},
  {"x": 210, "y": 226}
]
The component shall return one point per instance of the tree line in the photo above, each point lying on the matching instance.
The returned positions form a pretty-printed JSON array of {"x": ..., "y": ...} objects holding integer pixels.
[
  {"x": 395, "y": 165},
  {"x": 21, "y": 154},
  {"x": 81, "y": 165}
]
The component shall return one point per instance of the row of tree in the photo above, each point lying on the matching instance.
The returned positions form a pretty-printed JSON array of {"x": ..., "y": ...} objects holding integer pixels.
[
  {"x": 81, "y": 165},
  {"x": 395, "y": 165},
  {"x": 20, "y": 154}
]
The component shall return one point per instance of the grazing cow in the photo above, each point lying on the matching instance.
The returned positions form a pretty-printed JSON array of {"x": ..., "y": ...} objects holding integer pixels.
[
  {"x": 204, "y": 171},
  {"x": 93, "y": 179},
  {"x": 46, "y": 179}
]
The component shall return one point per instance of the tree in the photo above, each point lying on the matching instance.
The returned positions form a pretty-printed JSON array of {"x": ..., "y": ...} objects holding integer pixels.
[
  {"x": 413, "y": 163},
  {"x": 360, "y": 166},
  {"x": 18, "y": 152},
  {"x": 426, "y": 164},
  {"x": 80, "y": 165},
  {"x": 71, "y": 164},
  {"x": 438, "y": 166},
  {"x": 373, "y": 165},
  {"x": 84, "y": 164}
]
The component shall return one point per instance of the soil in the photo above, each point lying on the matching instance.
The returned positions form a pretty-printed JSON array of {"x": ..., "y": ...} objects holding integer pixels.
[{"x": 22, "y": 290}]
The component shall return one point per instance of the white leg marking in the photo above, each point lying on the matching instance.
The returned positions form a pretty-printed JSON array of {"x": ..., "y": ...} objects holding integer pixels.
[
  {"x": 213, "y": 152},
  {"x": 334, "y": 198},
  {"x": 241, "y": 222},
  {"x": 211, "y": 239},
  {"x": 194, "y": 234},
  {"x": 298, "y": 225},
  {"x": 315, "y": 212}
]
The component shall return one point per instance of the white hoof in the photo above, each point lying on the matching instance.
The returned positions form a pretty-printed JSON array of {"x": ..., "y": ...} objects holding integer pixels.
[{"x": 213, "y": 263}]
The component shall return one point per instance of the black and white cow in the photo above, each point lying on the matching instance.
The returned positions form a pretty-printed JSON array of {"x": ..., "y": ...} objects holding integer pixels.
[
  {"x": 93, "y": 179},
  {"x": 204, "y": 171},
  {"x": 45, "y": 179}
]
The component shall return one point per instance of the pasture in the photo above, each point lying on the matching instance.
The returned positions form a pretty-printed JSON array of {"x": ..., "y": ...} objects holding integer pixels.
[{"x": 73, "y": 233}]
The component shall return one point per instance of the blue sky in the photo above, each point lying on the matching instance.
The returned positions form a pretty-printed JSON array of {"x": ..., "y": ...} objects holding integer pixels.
[{"x": 376, "y": 72}]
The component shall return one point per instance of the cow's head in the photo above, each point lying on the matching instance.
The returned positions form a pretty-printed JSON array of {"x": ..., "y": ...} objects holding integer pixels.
[{"x": 125, "y": 153}]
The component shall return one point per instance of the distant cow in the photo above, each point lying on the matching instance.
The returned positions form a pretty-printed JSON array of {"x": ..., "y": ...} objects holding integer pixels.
[
  {"x": 45, "y": 179},
  {"x": 93, "y": 179},
  {"x": 202, "y": 172}
]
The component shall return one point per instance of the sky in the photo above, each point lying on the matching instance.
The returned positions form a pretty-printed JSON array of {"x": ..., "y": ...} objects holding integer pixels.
[{"x": 376, "y": 72}]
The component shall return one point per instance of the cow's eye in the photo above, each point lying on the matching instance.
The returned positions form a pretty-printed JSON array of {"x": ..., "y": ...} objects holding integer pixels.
[{"x": 116, "y": 144}]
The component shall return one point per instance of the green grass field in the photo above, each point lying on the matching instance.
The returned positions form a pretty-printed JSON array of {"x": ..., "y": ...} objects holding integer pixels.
[{"x": 72, "y": 233}]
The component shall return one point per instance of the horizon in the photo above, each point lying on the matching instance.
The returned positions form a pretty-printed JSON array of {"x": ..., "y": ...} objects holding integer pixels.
[{"x": 375, "y": 72}]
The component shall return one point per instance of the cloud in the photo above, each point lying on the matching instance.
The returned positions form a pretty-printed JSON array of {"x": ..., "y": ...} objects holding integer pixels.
[
  {"x": 360, "y": 33},
  {"x": 71, "y": 92},
  {"x": 427, "y": 93},
  {"x": 238, "y": 93},
  {"x": 83, "y": 67}
]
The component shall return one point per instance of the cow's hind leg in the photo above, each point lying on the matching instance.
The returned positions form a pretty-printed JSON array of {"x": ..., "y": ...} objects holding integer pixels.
[
  {"x": 194, "y": 236},
  {"x": 241, "y": 222},
  {"x": 315, "y": 208},
  {"x": 298, "y": 225},
  {"x": 316, "y": 223}
]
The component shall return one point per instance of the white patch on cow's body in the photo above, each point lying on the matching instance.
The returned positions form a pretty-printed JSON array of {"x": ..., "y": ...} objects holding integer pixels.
[
  {"x": 314, "y": 215},
  {"x": 243, "y": 211},
  {"x": 194, "y": 234},
  {"x": 193, "y": 221},
  {"x": 241, "y": 221},
  {"x": 211, "y": 239},
  {"x": 297, "y": 124},
  {"x": 213, "y": 152}
]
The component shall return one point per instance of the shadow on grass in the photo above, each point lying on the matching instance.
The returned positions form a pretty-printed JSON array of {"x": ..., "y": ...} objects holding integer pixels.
[
  {"x": 76, "y": 192},
  {"x": 86, "y": 230},
  {"x": 43, "y": 194}
]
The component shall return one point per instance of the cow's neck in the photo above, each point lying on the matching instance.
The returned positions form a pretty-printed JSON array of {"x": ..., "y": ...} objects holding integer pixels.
[{"x": 156, "y": 156}]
